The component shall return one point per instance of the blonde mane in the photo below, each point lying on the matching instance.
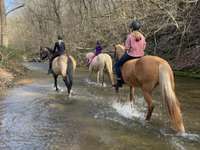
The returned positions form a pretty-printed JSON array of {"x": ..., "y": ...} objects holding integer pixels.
[{"x": 120, "y": 49}]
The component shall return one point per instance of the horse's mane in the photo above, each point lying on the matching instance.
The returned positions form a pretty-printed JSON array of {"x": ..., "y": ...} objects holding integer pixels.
[
  {"x": 120, "y": 46},
  {"x": 119, "y": 50}
]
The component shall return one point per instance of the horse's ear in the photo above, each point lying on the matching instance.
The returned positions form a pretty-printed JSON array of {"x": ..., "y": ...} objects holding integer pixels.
[
  {"x": 41, "y": 48},
  {"x": 114, "y": 47}
]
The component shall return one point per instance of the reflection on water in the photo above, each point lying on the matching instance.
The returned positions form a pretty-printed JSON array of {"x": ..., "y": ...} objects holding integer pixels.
[{"x": 34, "y": 116}]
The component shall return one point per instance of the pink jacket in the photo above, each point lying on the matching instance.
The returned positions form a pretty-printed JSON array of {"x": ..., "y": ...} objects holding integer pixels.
[{"x": 135, "y": 44}]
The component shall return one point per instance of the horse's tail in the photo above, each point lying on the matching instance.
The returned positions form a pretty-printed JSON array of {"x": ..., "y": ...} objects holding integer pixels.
[
  {"x": 69, "y": 73},
  {"x": 109, "y": 67},
  {"x": 166, "y": 80}
]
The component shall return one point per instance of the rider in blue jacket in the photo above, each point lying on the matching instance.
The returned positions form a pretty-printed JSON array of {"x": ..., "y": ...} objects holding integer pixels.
[{"x": 59, "y": 49}]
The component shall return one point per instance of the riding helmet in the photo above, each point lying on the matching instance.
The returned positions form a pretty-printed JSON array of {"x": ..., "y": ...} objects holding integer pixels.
[
  {"x": 135, "y": 25},
  {"x": 60, "y": 37}
]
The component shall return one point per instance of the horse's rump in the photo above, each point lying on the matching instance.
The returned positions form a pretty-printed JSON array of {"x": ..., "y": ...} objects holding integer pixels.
[
  {"x": 100, "y": 62},
  {"x": 62, "y": 64},
  {"x": 142, "y": 70}
]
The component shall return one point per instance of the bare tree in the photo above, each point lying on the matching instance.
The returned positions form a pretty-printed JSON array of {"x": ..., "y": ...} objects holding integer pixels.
[
  {"x": 166, "y": 23},
  {"x": 3, "y": 15},
  {"x": 2, "y": 21}
]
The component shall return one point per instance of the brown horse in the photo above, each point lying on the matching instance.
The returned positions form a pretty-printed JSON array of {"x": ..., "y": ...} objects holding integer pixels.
[
  {"x": 147, "y": 73},
  {"x": 62, "y": 65}
]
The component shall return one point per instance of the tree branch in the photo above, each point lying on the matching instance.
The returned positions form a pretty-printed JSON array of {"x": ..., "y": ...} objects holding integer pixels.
[{"x": 22, "y": 5}]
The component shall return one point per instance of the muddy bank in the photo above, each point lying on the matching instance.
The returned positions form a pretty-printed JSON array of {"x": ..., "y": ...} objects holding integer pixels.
[
  {"x": 12, "y": 77},
  {"x": 11, "y": 68}
]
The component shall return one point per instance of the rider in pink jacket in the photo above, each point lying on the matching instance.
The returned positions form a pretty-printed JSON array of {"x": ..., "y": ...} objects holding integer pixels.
[{"x": 134, "y": 46}]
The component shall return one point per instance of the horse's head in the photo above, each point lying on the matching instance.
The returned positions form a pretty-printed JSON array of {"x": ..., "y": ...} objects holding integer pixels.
[
  {"x": 118, "y": 51},
  {"x": 45, "y": 53},
  {"x": 89, "y": 56}
]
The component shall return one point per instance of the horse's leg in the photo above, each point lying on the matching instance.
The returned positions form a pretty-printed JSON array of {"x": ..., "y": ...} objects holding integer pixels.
[
  {"x": 98, "y": 74},
  {"x": 90, "y": 73},
  {"x": 102, "y": 76},
  {"x": 148, "y": 98},
  {"x": 132, "y": 95},
  {"x": 55, "y": 81}
]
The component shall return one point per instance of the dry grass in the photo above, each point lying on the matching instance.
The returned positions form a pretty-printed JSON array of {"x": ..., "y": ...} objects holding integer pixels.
[
  {"x": 24, "y": 82},
  {"x": 6, "y": 78}
]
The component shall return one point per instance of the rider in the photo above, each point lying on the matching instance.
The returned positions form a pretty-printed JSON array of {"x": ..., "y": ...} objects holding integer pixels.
[
  {"x": 134, "y": 48},
  {"x": 98, "y": 50},
  {"x": 59, "y": 49}
]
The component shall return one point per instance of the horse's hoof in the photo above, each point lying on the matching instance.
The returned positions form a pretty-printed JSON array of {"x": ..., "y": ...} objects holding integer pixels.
[
  {"x": 132, "y": 105},
  {"x": 69, "y": 95}
]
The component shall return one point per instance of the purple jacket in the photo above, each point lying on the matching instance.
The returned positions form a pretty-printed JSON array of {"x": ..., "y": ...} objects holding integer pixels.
[{"x": 98, "y": 49}]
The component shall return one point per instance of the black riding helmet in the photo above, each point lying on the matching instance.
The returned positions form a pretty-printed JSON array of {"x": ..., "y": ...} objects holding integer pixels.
[
  {"x": 135, "y": 25},
  {"x": 60, "y": 37}
]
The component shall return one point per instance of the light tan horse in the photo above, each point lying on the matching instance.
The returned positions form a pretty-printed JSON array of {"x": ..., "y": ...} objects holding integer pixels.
[
  {"x": 98, "y": 63},
  {"x": 148, "y": 72},
  {"x": 62, "y": 65}
]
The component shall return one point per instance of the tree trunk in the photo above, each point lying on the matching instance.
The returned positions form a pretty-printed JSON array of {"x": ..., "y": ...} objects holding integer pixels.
[{"x": 2, "y": 22}]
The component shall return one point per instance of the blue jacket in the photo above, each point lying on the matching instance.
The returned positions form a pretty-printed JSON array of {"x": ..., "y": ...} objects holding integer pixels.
[{"x": 59, "y": 48}]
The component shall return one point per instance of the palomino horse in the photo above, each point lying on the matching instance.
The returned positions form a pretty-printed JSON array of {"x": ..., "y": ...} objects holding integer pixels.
[
  {"x": 98, "y": 63},
  {"x": 62, "y": 65},
  {"x": 147, "y": 72}
]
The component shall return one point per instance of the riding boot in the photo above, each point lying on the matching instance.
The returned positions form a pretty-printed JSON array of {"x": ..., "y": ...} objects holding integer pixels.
[
  {"x": 118, "y": 85},
  {"x": 50, "y": 68}
]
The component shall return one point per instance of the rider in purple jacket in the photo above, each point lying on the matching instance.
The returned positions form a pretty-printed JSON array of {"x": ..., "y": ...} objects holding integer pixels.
[{"x": 98, "y": 48}]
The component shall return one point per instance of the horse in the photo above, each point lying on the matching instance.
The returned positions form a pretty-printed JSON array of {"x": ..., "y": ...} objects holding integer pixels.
[
  {"x": 147, "y": 73},
  {"x": 98, "y": 63},
  {"x": 63, "y": 65},
  {"x": 45, "y": 53}
]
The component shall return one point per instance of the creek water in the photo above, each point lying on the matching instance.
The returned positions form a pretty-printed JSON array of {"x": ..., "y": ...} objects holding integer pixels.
[{"x": 35, "y": 117}]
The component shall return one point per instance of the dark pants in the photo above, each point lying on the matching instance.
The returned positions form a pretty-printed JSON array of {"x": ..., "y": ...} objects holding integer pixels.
[{"x": 119, "y": 64}]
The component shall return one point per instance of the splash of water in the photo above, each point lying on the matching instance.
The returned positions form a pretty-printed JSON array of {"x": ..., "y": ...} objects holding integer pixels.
[
  {"x": 176, "y": 144},
  {"x": 127, "y": 111},
  {"x": 95, "y": 83},
  {"x": 190, "y": 136}
]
